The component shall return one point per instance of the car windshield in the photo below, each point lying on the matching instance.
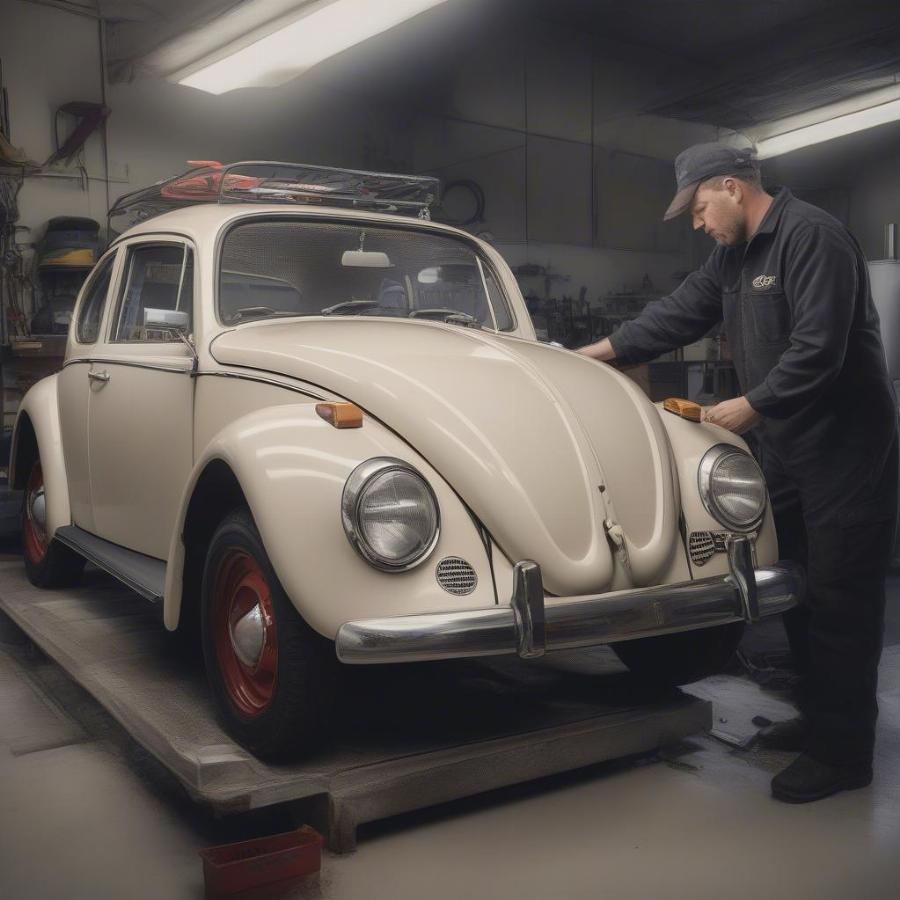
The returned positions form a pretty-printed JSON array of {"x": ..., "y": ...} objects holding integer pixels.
[{"x": 297, "y": 268}]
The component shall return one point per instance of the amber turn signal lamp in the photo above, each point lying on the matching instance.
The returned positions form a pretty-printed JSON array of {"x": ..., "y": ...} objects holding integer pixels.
[
  {"x": 687, "y": 409},
  {"x": 340, "y": 415}
]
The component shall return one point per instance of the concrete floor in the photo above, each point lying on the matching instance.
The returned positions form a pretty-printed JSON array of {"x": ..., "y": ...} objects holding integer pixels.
[{"x": 87, "y": 813}]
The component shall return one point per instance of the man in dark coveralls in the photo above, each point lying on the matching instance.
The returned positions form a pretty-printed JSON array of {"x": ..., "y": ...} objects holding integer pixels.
[{"x": 791, "y": 284}]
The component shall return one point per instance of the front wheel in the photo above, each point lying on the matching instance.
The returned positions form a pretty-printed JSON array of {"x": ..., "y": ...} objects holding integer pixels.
[
  {"x": 48, "y": 563},
  {"x": 673, "y": 659},
  {"x": 272, "y": 677}
]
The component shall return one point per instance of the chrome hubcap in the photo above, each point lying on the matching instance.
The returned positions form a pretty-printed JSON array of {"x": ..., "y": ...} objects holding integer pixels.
[
  {"x": 248, "y": 634},
  {"x": 37, "y": 508}
]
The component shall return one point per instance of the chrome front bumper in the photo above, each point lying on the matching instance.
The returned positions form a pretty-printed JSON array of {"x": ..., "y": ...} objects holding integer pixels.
[{"x": 534, "y": 624}]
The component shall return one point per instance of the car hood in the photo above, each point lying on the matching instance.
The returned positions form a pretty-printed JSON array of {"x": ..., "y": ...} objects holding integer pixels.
[{"x": 563, "y": 459}]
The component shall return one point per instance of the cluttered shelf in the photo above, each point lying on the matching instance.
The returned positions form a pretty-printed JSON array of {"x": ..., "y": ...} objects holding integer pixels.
[{"x": 702, "y": 371}]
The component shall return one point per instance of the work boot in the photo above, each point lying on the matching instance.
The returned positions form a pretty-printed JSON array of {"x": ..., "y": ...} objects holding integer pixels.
[
  {"x": 807, "y": 779},
  {"x": 792, "y": 735}
]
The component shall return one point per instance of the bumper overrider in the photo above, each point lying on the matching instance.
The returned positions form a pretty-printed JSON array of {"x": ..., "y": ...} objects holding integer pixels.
[{"x": 533, "y": 623}]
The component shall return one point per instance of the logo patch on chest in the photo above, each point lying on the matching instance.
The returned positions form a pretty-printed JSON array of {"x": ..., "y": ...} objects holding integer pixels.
[{"x": 763, "y": 282}]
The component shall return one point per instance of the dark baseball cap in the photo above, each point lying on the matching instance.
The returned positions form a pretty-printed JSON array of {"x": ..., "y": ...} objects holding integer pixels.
[{"x": 703, "y": 161}]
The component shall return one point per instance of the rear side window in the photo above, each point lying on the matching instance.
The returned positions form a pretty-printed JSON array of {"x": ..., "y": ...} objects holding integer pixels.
[
  {"x": 156, "y": 301},
  {"x": 88, "y": 327}
]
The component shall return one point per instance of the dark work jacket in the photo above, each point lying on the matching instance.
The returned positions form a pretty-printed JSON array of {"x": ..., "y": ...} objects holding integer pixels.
[{"x": 803, "y": 333}]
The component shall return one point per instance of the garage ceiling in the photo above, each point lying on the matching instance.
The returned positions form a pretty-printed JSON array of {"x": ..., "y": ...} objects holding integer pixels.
[
  {"x": 753, "y": 62},
  {"x": 735, "y": 65}
]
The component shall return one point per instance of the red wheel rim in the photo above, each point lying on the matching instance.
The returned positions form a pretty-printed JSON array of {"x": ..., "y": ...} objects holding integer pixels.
[
  {"x": 240, "y": 589},
  {"x": 33, "y": 531}
]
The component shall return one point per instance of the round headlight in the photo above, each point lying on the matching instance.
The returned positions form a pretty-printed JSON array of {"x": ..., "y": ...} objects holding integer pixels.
[
  {"x": 390, "y": 514},
  {"x": 732, "y": 487}
]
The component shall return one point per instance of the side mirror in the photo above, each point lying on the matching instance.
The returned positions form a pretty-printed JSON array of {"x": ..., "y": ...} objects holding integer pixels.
[{"x": 167, "y": 320}]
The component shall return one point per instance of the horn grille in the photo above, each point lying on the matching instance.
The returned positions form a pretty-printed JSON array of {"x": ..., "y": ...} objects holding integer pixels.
[
  {"x": 703, "y": 544},
  {"x": 456, "y": 576},
  {"x": 701, "y": 547}
]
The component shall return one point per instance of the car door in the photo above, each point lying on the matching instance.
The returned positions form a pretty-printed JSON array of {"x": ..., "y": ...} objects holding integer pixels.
[
  {"x": 74, "y": 391},
  {"x": 142, "y": 398}
]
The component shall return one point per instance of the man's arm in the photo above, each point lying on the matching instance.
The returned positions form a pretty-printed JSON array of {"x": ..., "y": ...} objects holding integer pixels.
[
  {"x": 679, "y": 319},
  {"x": 821, "y": 283},
  {"x": 602, "y": 350}
]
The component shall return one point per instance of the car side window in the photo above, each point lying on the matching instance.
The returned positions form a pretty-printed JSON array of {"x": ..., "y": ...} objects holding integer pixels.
[
  {"x": 87, "y": 329},
  {"x": 156, "y": 299},
  {"x": 501, "y": 308}
]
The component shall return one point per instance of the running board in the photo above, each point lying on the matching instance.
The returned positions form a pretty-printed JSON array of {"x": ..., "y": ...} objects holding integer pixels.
[{"x": 141, "y": 573}]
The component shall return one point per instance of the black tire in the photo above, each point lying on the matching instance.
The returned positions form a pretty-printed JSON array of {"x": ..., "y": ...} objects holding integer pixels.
[
  {"x": 278, "y": 708},
  {"x": 673, "y": 659},
  {"x": 48, "y": 564}
]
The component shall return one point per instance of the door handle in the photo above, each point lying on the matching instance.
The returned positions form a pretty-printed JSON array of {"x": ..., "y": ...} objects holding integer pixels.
[{"x": 99, "y": 376}]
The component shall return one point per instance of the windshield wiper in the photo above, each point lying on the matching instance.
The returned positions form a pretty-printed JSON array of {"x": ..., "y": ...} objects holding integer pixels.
[
  {"x": 347, "y": 305},
  {"x": 261, "y": 312},
  {"x": 457, "y": 317}
]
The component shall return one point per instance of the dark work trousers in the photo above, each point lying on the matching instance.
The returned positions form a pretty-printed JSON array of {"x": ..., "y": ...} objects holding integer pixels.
[{"x": 845, "y": 546}]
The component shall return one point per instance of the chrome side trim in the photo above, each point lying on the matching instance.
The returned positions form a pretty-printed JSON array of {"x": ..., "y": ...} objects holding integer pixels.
[
  {"x": 124, "y": 237},
  {"x": 160, "y": 367},
  {"x": 569, "y": 622},
  {"x": 258, "y": 378},
  {"x": 107, "y": 360}
]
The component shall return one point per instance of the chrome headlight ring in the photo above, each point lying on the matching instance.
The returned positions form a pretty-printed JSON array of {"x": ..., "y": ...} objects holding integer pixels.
[
  {"x": 362, "y": 480},
  {"x": 711, "y": 493}
]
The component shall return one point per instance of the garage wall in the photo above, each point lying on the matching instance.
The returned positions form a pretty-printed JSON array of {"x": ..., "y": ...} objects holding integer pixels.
[
  {"x": 875, "y": 202},
  {"x": 548, "y": 122},
  {"x": 51, "y": 56}
]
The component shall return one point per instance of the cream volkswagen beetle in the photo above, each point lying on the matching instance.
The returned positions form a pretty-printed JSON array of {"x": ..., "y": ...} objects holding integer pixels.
[{"x": 326, "y": 435}]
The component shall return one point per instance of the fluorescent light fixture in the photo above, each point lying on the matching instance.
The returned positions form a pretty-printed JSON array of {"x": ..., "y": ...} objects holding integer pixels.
[
  {"x": 836, "y": 120},
  {"x": 315, "y": 32}
]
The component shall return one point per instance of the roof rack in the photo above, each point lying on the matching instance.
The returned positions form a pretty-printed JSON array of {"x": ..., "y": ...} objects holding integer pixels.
[{"x": 277, "y": 182}]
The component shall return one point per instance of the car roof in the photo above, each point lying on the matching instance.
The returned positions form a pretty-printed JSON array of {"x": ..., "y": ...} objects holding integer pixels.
[{"x": 203, "y": 221}]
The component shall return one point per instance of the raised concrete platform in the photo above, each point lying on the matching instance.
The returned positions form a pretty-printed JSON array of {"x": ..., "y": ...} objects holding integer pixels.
[{"x": 410, "y": 736}]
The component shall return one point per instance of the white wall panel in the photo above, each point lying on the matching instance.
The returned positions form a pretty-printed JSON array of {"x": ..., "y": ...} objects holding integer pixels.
[
  {"x": 632, "y": 193},
  {"x": 649, "y": 135},
  {"x": 874, "y": 203},
  {"x": 439, "y": 142},
  {"x": 489, "y": 83},
  {"x": 502, "y": 178},
  {"x": 559, "y": 86},
  {"x": 559, "y": 191}
]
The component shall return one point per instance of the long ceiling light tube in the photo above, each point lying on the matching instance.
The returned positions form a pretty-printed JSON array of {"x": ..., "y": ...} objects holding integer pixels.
[
  {"x": 319, "y": 30},
  {"x": 833, "y": 122}
]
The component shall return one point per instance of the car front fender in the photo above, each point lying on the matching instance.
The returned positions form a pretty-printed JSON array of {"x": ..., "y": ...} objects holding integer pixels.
[
  {"x": 690, "y": 441},
  {"x": 291, "y": 467}
]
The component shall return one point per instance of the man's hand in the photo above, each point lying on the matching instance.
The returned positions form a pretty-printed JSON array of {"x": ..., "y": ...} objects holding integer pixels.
[
  {"x": 735, "y": 415},
  {"x": 601, "y": 350}
]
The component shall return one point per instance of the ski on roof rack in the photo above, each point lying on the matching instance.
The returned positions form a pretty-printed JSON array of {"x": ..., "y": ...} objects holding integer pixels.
[{"x": 277, "y": 182}]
